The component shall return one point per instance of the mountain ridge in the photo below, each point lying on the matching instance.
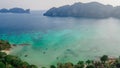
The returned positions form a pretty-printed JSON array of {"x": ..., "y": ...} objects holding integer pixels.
[{"x": 89, "y": 10}]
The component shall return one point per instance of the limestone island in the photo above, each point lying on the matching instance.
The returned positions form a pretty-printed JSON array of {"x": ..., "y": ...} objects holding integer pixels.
[
  {"x": 14, "y": 10},
  {"x": 87, "y": 10}
]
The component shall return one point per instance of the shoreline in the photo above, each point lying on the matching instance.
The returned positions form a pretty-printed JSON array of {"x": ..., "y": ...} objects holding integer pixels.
[
  {"x": 6, "y": 51},
  {"x": 111, "y": 59}
]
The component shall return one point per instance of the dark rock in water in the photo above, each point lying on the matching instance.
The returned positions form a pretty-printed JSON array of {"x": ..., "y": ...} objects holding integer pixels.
[
  {"x": 14, "y": 10},
  {"x": 14, "y": 45},
  {"x": 87, "y": 10},
  {"x": 25, "y": 50},
  {"x": 46, "y": 49},
  {"x": 26, "y": 55},
  {"x": 57, "y": 58},
  {"x": 69, "y": 51},
  {"x": 44, "y": 52},
  {"x": 24, "y": 44}
]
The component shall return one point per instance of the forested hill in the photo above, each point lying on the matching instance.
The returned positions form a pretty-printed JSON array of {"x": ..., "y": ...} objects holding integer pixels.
[{"x": 89, "y": 10}]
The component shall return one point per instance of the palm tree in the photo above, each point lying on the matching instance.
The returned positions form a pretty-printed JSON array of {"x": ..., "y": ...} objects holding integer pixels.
[
  {"x": 80, "y": 64},
  {"x": 104, "y": 58},
  {"x": 88, "y": 62},
  {"x": 52, "y": 66}
]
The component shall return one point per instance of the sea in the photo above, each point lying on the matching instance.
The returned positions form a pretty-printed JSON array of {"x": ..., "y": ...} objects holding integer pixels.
[{"x": 44, "y": 41}]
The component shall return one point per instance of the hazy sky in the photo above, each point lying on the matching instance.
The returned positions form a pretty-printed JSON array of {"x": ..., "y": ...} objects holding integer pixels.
[{"x": 46, "y": 4}]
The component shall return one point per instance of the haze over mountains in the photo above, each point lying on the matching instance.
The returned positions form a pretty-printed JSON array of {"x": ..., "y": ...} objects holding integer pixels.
[{"x": 87, "y": 10}]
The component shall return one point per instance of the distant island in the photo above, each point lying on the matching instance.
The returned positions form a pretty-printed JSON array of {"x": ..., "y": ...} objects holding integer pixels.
[
  {"x": 87, "y": 10},
  {"x": 14, "y": 10}
]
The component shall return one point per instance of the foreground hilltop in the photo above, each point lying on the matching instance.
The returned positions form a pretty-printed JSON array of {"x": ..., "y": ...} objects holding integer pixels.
[
  {"x": 11, "y": 61},
  {"x": 89, "y": 10},
  {"x": 14, "y": 10}
]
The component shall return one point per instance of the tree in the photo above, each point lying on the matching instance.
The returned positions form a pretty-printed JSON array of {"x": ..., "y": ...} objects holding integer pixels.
[
  {"x": 80, "y": 64},
  {"x": 2, "y": 65},
  {"x": 88, "y": 62},
  {"x": 90, "y": 66},
  {"x": 32, "y": 66},
  {"x": 52, "y": 66},
  {"x": 2, "y": 54},
  {"x": 104, "y": 58},
  {"x": 9, "y": 66},
  {"x": 24, "y": 65},
  {"x": 4, "y": 45},
  {"x": 8, "y": 58},
  {"x": 60, "y": 65},
  {"x": 68, "y": 65}
]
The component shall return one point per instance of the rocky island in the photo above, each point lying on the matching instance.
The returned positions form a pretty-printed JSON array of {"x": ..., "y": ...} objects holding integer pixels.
[
  {"x": 87, "y": 10},
  {"x": 14, "y": 10}
]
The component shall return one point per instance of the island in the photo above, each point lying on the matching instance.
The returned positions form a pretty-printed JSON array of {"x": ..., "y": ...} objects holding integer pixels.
[
  {"x": 14, "y": 10},
  {"x": 87, "y": 10}
]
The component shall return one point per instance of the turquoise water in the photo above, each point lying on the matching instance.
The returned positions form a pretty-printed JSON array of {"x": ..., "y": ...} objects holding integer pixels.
[{"x": 54, "y": 39}]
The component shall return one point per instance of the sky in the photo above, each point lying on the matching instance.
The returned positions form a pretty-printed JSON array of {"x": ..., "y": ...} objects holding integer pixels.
[{"x": 47, "y": 4}]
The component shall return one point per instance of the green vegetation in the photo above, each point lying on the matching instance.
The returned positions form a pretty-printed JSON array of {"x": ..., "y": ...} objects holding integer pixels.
[
  {"x": 10, "y": 61},
  {"x": 104, "y": 58},
  {"x": 4, "y": 45},
  {"x": 104, "y": 62}
]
